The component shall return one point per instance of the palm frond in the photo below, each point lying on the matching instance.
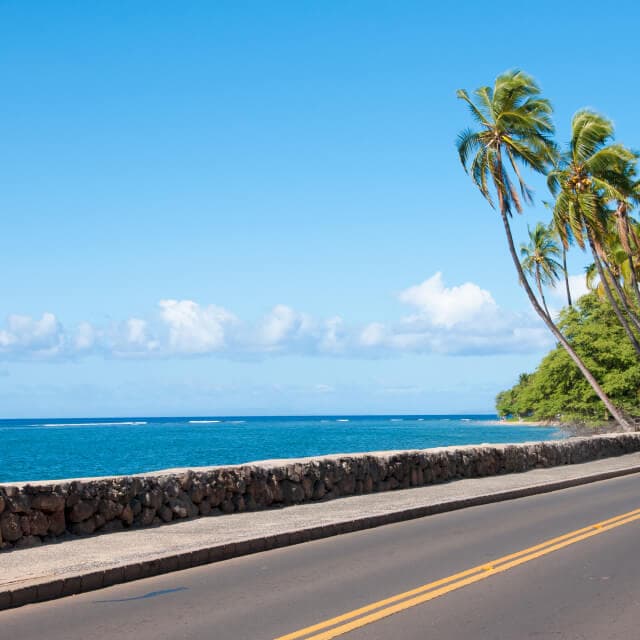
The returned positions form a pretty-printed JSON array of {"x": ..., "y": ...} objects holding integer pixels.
[
  {"x": 468, "y": 142},
  {"x": 476, "y": 113}
]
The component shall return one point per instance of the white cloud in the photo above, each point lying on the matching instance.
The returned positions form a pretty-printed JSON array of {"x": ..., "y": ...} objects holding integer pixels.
[
  {"x": 449, "y": 306},
  {"x": 577, "y": 286},
  {"x": 514, "y": 334},
  {"x": 463, "y": 319},
  {"x": 195, "y": 329},
  {"x": 132, "y": 338},
  {"x": 460, "y": 319},
  {"x": 283, "y": 324},
  {"x": 285, "y": 330},
  {"x": 41, "y": 338},
  {"x": 334, "y": 335},
  {"x": 373, "y": 335},
  {"x": 136, "y": 331},
  {"x": 85, "y": 337}
]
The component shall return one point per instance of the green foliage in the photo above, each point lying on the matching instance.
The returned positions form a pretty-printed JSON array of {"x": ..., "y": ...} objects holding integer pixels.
[
  {"x": 592, "y": 172},
  {"x": 540, "y": 255},
  {"x": 514, "y": 128},
  {"x": 557, "y": 389}
]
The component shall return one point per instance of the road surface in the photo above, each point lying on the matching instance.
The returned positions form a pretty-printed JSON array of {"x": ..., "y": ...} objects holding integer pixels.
[{"x": 527, "y": 568}]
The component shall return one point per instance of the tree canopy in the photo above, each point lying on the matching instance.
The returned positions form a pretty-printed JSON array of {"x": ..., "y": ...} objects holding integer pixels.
[{"x": 558, "y": 391}]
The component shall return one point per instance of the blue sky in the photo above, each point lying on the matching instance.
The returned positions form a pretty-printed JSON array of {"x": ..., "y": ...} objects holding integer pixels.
[{"x": 243, "y": 207}]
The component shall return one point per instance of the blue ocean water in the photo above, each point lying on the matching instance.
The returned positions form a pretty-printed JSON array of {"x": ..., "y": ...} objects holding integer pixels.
[{"x": 55, "y": 449}]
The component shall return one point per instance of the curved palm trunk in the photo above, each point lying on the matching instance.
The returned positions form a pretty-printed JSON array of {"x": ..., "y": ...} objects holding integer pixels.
[
  {"x": 626, "y": 304},
  {"x": 613, "y": 410},
  {"x": 539, "y": 284},
  {"x": 566, "y": 275},
  {"x": 612, "y": 301},
  {"x": 632, "y": 269},
  {"x": 634, "y": 278}
]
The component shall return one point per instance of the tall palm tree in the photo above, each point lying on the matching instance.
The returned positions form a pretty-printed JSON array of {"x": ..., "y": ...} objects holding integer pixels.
[
  {"x": 540, "y": 259},
  {"x": 515, "y": 128},
  {"x": 617, "y": 257},
  {"x": 625, "y": 225},
  {"x": 557, "y": 236},
  {"x": 590, "y": 174},
  {"x": 628, "y": 234}
]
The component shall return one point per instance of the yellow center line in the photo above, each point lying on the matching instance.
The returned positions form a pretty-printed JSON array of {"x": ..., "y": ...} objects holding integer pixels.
[{"x": 432, "y": 590}]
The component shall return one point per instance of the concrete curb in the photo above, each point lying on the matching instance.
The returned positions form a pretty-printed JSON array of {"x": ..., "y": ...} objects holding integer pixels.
[{"x": 77, "y": 584}]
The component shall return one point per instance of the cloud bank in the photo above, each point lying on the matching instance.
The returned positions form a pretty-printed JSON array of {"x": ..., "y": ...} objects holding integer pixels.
[{"x": 460, "y": 320}]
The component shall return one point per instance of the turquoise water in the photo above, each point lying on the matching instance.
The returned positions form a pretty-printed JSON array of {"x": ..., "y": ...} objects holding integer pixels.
[{"x": 55, "y": 449}]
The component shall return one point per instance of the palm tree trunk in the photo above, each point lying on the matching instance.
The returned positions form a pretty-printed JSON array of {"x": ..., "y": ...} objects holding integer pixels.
[
  {"x": 612, "y": 301},
  {"x": 613, "y": 410},
  {"x": 539, "y": 283},
  {"x": 634, "y": 277},
  {"x": 622, "y": 295},
  {"x": 566, "y": 274}
]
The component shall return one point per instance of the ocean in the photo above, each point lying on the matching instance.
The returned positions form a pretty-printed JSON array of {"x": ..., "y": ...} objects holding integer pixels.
[{"x": 50, "y": 449}]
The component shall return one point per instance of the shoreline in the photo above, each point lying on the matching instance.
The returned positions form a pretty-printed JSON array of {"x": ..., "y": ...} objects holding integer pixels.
[
  {"x": 574, "y": 429},
  {"x": 162, "y": 445},
  {"x": 562, "y": 430}
]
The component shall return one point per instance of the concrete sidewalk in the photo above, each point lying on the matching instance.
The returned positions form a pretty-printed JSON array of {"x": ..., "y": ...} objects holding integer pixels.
[{"x": 83, "y": 564}]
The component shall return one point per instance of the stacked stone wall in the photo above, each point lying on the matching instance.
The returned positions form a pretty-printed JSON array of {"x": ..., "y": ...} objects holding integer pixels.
[{"x": 33, "y": 513}]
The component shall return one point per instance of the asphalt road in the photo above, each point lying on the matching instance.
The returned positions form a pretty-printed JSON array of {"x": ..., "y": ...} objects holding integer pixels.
[{"x": 589, "y": 589}]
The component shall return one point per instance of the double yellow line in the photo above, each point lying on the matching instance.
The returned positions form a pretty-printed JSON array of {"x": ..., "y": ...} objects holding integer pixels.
[{"x": 375, "y": 611}]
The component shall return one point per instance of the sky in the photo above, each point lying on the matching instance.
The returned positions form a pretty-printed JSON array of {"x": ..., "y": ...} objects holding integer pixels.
[{"x": 242, "y": 207}]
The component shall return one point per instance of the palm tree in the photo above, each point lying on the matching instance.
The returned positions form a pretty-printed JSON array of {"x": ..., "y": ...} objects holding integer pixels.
[
  {"x": 515, "y": 128},
  {"x": 628, "y": 234},
  {"x": 593, "y": 283},
  {"x": 557, "y": 236},
  {"x": 591, "y": 173},
  {"x": 540, "y": 259},
  {"x": 617, "y": 257},
  {"x": 625, "y": 226},
  {"x": 619, "y": 264},
  {"x": 619, "y": 274}
]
